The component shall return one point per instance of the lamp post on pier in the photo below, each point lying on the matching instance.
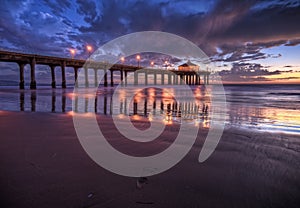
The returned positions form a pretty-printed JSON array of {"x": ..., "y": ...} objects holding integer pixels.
[
  {"x": 72, "y": 51},
  {"x": 89, "y": 49},
  {"x": 152, "y": 64},
  {"x": 138, "y": 58},
  {"x": 122, "y": 59}
]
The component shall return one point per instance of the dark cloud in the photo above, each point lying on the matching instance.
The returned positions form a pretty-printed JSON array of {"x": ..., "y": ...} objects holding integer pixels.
[
  {"x": 233, "y": 27},
  {"x": 58, "y": 6},
  {"x": 118, "y": 19},
  {"x": 227, "y": 25},
  {"x": 292, "y": 42},
  {"x": 290, "y": 66},
  {"x": 227, "y": 30},
  {"x": 88, "y": 9},
  {"x": 262, "y": 26},
  {"x": 248, "y": 72},
  {"x": 31, "y": 31},
  {"x": 238, "y": 29},
  {"x": 288, "y": 78}
]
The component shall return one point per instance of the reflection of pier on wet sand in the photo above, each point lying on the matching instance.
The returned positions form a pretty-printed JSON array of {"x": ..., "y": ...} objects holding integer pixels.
[
  {"x": 159, "y": 76},
  {"x": 144, "y": 106}
]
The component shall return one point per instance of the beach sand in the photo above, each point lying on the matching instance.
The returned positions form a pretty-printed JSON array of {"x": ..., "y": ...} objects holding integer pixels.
[{"x": 43, "y": 165}]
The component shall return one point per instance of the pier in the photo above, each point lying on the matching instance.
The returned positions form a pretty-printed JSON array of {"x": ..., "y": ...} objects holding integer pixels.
[{"x": 160, "y": 75}]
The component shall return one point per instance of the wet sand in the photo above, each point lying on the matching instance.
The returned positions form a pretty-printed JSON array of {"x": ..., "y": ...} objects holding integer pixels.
[{"x": 43, "y": 165}]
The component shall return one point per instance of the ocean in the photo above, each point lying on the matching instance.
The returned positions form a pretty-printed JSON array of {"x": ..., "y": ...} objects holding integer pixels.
[{"x": 272, "y": 108}]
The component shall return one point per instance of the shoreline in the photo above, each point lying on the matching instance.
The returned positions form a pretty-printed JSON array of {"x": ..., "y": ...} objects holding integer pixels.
[{"x": 44, "y": 165}]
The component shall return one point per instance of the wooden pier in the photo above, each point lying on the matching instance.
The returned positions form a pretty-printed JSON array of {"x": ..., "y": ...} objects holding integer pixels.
[{"x": 168, "y": 77}]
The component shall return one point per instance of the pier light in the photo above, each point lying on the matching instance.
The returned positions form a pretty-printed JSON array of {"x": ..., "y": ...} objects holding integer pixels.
[
  {"x": 72, "y": 51},
  {"x": 138, "y": 58},
  {"x": 89, "y": 49},
  {"x": 122, "y": 59},
  {"x": 166, "y": 64},
  {"x": 152, "y": 63}
]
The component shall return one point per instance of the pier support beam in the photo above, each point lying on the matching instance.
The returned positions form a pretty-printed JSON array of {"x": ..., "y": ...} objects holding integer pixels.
[
  {"x": 197, "y": 79},
  {"x": 86, "y": 77},
  {"x": 169, "y": 78},
  {"x": 146, "y": 77},
  {"x": 186, "y": 79},
  {"x": 162, "y": 78},
  {"x": 125, "y": 74},
  {"x": 193, "y": 79},
  {"x": 63, "y": 75},
  {"x": 155, "y": 78},
  {"x": 96, "y": 78},
  {"x": 121, "y": 77},
  {"x": 53, "y": 82},
  {"x": 22, "y": 83},
  {"x": 111, "y": 78},
  {"x": 76, "y": 75},
  {"x": 32, "y": 74},
  {"x": 135, "y": 78},
  {"x": 174, "y": 79},
  {"x": 181, "y": 79},
  {"x": 105, "y": 78}
]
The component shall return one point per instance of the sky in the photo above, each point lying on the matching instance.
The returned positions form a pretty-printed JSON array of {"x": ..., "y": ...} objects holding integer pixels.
[{"x": 248, "y": 41}]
